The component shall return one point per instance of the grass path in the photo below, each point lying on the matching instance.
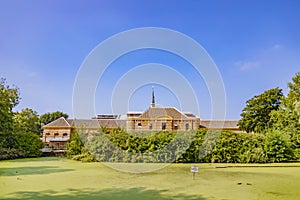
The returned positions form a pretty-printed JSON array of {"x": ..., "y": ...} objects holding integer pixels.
[{"x": 58, "y": 178}]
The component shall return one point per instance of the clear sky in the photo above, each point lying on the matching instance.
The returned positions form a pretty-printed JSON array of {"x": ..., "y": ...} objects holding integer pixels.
[{"x": 254, "y": 44}]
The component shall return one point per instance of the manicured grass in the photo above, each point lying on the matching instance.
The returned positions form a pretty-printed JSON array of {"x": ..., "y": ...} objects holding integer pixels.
[{"x": 59, "y": 178}]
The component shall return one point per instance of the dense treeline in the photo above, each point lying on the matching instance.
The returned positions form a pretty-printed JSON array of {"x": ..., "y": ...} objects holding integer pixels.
[
  {"x": 182, "y": 147},
  {"x": 20, "y": 131},
  {"x": 275, "y": 115}
]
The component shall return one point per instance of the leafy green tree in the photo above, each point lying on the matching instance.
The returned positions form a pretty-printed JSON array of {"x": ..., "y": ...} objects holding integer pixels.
[
  {"x": 16, "y": 138},
  {"x": 29, "y": 143},
  {"x": 9, "y": 98},
  {"x": 278, "y": 146},
  {"x": 287, "y": 118},
  {"x": 49, "y": 117},
  {"x": 256, "y": 114},
  {"x": 75, "y": 145},
  {"x": 27, "y": 121}
]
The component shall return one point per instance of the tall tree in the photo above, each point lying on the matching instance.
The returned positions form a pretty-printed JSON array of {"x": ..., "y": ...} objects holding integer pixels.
[
  {"x": 287, "y": 118},
  {"x": 49, "y": 117},
  {"x": 27, "y": 121},
  {"x": 256, "y": 114},
  {"x": 9, "y": 98}
]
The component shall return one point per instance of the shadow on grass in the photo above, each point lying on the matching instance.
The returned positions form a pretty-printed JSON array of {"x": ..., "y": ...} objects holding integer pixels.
[
  {"x": 115, "y": 194},
  {"x": 38, "y": 159},
  {"x": 17, "y": 171}
]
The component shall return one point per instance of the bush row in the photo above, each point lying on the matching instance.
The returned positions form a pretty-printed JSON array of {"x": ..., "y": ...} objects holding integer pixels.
[
  {"x": 182, "y": 147},
  {"x": 20, "y": 145}
]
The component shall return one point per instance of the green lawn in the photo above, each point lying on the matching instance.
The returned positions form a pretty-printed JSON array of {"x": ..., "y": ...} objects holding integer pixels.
[{"x": 58, "y": 178}]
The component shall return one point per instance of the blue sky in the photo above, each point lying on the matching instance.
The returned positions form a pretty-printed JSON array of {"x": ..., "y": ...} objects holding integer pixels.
[{"x": 254, "y": 44}]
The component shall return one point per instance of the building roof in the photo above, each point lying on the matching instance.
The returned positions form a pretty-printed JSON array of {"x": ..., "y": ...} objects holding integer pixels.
[
  {"x": 86, "y": 123},
  {"x": 61, "y": 122},
  {"x": 155, "y": 112},
  {"x": 219, "y": 124}
]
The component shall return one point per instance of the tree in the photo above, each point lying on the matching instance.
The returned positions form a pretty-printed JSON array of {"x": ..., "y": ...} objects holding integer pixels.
[
  {"x": 16, "y": 138},
  {"x": 75, "y": 145},
  {"x": 278, "y": 146},
  {"x": 9, "y": 98},
  {"x": 256, "y": 114},
  {"x": 49, "y": 117},
  {"x": 27, "y": 121},
  {"x": 29, "y": 143},
  {"x": 287, "y": 118}
]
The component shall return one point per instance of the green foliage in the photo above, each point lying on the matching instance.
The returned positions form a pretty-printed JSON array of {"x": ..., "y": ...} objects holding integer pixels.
[
  {"x": 278, "y": 146},
  {"x": 287, "y": 118},
  {"x": 256, "y": 114},
  {"x": 9, "y": 98},
  {"x": 75, "y": 145},
  {"x": 20, "y": 145},
  {"x": 17, "y": 139},
  {"x": 30, "y": 143},
  {"x": 84, "y": 156},
  {"x": 27, "y": 121},
  {"x": 183, "y": 147},
  {"x": 233, "y": 147},
  {"x": 76, "y": 150},
  {"x": 292, "y": 101},
  {"x": 49, "y": 117}
]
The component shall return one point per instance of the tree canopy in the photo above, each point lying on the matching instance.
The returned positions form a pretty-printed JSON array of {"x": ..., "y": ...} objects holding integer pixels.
[
  {"x": 9, "y": 98},
  {"x": 256, "y": 114},
  {"x": 20, "y": 131},
  {"x": 49, "y": 117},
  {"x": 27, "y": 121}
]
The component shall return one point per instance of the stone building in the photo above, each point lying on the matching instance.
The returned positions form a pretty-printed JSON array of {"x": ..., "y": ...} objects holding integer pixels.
[
  {"x": 56, "y": 134},
  {"x": 156, "y": 119}
]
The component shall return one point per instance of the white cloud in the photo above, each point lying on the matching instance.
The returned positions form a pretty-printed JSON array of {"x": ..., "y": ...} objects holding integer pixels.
[
  {"x": 247, "y": 65},
  {"x": 276, "y": 47}
]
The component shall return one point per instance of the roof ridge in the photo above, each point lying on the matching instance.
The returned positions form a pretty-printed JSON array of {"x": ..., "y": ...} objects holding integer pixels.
[
  {"x": 65, "y": 120},
  {"x": 57, "y": 122}
]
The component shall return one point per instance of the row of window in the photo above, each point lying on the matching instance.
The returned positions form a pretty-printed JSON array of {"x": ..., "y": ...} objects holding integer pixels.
[
  {"x": 164, "y": 126},
  {"x": 57, "y": 134}
]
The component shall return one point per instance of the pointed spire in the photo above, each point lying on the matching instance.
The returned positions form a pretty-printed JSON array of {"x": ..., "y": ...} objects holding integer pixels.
[{"x": 153, "y": 98}]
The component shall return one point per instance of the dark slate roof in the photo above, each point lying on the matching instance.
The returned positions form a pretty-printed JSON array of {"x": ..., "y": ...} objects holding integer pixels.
[
  {"x": 219, "y": 124},
  {"x": 112, "y": 123},
  {"x": 61, "y": 122},
  {"x": 159, "y": 112},
  {"x": 189, "y": 114},
  {"x": 87, "y": 123}
]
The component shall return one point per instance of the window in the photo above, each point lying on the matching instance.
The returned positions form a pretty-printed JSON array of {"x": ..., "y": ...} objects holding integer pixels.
[
  {"x": 65, "y": 134},
  {"x": 150, "y": 126},
  {"x": 140, "y": 125},
  {"x": 175, "y": 126},
  {"x": 163, "y": 125},
  {"x": 187, "y": 126},
  {"x": 47, "y": 133},
  {"x": 55, "y": 134}
]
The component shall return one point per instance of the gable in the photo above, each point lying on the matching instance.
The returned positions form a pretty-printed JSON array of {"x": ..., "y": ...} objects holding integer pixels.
[
  {"x": 163, "y": 112},
  {"x": 60, "y": 122}
]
